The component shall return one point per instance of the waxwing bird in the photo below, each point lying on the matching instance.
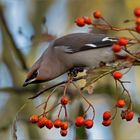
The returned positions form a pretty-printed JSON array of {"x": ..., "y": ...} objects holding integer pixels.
[{"x": 69, "y": 51}]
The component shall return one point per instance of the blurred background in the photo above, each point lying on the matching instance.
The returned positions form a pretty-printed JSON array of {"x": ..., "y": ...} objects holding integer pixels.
[{"x": 26, "y": 28}]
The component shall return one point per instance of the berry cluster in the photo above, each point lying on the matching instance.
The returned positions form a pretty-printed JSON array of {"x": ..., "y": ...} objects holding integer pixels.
[
  {"x": 137, "y": 15},
  {"x": 117, "y": 47},
  {"x": 63, "y": 125},
  {"x": 82, "y": 21},
  {"x": 106, "y": 118},
  {"x": 128, "y": 115},
  {"x": 45, "y": 122},
  {"x": 42, "y": 120},
  {"x": 125, "y": 114},
  {"x": 80, "y": 121}
]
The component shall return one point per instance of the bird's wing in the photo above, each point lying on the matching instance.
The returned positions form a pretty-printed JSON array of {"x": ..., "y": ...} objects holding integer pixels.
[{"x": 77, "y": 42}]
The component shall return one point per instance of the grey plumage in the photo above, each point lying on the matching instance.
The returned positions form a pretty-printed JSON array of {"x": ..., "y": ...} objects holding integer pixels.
[
  {"x": 73, "y": 50},
  {"x": 76, "y": 42}
]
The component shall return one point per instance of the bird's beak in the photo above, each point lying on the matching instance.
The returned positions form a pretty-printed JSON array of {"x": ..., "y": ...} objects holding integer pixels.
[
  {"x": 25, "y": 83},
  {"x": 28, "y": 81}
]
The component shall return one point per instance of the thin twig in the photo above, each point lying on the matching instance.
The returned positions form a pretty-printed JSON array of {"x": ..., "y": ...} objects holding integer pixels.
[
  {"x": 106, "y": 27},
  {"x": 46, "y": 103},
  {"x": 66, "y": 115},
  {"x": 60, "y": 111},
  {"x": 130, "y": 101},
  {"x": 134, "y": 36},
  {"x": 126, "y": 73},
  {"x": 99, "y": 77},
  {"x": 131, "y": 54},
  {"x": 116, "y": 84},
  {"x": 66, "y": 86},
  {"x": 106, "y": 22},
  {"x": 85, "y": 99},
  {"x": 49, "y": 110},
  {"x": 115, "y": 113},
  {"x": 86, "y": 111},
  {"x": 47, "y": 99}
]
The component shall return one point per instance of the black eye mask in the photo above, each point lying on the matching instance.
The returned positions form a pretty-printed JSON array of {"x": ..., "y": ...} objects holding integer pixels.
[{"x": 34, "y": 74}]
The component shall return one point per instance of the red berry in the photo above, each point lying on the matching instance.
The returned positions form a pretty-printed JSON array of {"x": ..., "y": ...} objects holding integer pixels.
[
  {"x": 79, "y": 121},
  {"x": 120, "y": 103},
  {"x": 129, "y": 115},
  {"x": 116, "y": 48},
  {"x": 57, "y": 123},
  {"x": 117, "y": 75},
  {"x": 88, "y": 20},
  {"x": 138, "y": 20},
  {"x": 137, "y": 28},
  {"x": 64, "y": 125},
  {"x": 137, "y": 12},
  {"x": 106, "y": 115},
  {"x": 34, "y": 119},
  {"x": 122, "y": 41},
  {"x": 97, "y": 14},
  {"x": 64, "y": 100},
  {"x": 88, "y": 123},
  {"x": 63, "y": 132},
  {"x": 49, "y": 124},
  {"x": 80, "y": 22},
  {"x": 106, "y": 122},
  {"x": 42, "y": 122}
]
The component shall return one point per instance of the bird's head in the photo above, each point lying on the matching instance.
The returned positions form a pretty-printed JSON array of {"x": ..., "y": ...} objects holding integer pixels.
[
  {"x": 38, "y": 73},
  {"x": 31, "y": 77},
  {"x": 36, "y": 76}
]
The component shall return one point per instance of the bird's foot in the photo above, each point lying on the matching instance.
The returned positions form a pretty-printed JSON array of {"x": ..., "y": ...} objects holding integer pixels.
[{"x": 74, "y": 71}]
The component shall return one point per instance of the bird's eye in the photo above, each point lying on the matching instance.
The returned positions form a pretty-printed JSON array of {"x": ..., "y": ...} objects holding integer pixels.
[{"x": 34, "y": 74}]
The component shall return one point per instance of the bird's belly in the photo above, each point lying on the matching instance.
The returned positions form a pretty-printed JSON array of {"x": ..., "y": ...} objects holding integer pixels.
[{"x": 93, "y": 58}]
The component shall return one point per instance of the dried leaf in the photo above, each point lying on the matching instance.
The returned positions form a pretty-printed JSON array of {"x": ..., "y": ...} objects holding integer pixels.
[
  {"x": 90, "y": 89},
  {"x": 81, "y": 83}
]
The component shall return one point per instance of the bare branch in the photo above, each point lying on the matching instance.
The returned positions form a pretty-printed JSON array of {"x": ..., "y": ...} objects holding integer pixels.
[
  {"x": 17, "y": 51},
  {"x": 51, "y": 87}
]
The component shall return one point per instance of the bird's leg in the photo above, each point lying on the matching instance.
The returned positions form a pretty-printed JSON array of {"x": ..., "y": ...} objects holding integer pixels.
[{"x": 74, "y": 71}]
